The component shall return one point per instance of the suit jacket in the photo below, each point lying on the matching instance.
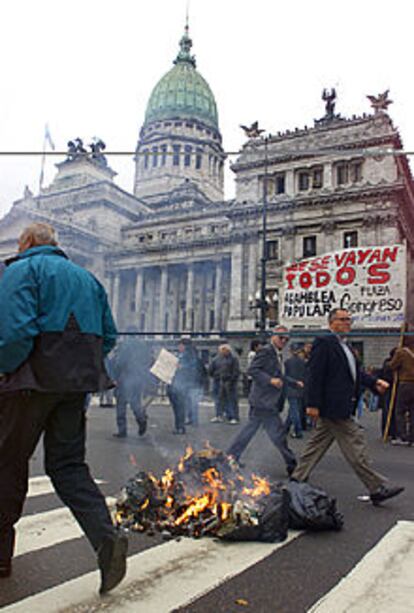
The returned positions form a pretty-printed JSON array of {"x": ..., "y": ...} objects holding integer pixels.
[
  {"x": 332, "y": 388},
  {"x": 296, "y": 368},
  {"x": 264, "y": 367}
]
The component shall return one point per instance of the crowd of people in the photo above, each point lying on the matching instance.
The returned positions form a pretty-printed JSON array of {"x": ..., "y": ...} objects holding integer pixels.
[{"x": 57, "y": 329}]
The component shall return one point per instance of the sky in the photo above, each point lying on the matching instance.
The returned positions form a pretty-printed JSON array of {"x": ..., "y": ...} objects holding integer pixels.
[{"x": 87, "y": 68}]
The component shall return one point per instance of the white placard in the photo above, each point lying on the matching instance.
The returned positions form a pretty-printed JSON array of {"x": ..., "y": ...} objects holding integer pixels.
[
  {"x": 165, "y": 366},
  {"x": 370, "y": 282}
]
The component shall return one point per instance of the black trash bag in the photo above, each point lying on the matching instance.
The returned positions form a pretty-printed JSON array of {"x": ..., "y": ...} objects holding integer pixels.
[
  {"x": 311, "y": 508},
  {"x": 273, "y": 520}
]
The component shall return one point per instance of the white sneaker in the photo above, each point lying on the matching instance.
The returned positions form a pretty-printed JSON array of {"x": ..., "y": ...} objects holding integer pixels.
[
  {"x": 217, "y": 420},
  {"x": 234, "y": 422}
]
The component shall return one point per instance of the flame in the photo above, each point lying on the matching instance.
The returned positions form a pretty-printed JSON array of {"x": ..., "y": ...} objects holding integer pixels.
[
  {"x": 261, "y": 487},
  {"x": 167, "y": 479},
  {"x": 188, "y": 454},
  {"x": 144, "y": 504},
  {"x": 195, "y": 508},
  {"x": 213, "y": 479},
  {"x": 226, "y": 508}
]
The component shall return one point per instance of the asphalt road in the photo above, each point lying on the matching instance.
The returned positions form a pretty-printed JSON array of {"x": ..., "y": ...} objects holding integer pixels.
[{"x": 291, "y": 579}]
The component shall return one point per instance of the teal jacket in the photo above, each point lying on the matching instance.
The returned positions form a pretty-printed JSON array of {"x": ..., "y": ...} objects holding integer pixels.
[{"x": 55, "y": 324}]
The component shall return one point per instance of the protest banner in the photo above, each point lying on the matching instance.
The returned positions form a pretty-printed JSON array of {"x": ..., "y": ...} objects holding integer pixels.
[{"x": 370, "y": 282}]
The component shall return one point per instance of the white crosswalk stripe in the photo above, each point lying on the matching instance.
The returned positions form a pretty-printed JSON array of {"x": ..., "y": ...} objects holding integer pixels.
[
  {"x": 46, "y": 529},
  {"x": 40, "y": 486}
]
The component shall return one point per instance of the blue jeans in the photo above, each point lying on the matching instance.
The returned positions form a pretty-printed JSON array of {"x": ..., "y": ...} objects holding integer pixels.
[
  {"x": 275, "y": 430},
  {"x": 295, "y": 416},
  {"x": 123, "y": 398},
  {"x": 193, "y": 400}
]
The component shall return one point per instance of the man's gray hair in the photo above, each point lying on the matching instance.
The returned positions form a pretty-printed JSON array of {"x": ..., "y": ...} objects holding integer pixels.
[
  {"x": 333, "y": 313},
  {"x": 40, "y": 234}
]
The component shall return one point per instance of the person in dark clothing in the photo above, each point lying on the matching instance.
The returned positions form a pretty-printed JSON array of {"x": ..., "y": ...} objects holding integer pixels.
[
  {"x": 266, "y": 399},
  {"x": 402, "y": 363},
  {"x": 296, "y": 369},
  {"x": 336, "y": 379},
  {"x": 196, "y": 382},
  {"x": 386, "y": 373},
  {"x": 131, "y": 371},
  {"x": 55, "y": 328},
  {"x": 185, "y": 380},
  {"x": 225, "y": 371}
]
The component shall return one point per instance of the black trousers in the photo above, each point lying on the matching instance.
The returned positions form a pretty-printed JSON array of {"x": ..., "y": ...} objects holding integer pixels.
[{"x": 24, "y": 417}]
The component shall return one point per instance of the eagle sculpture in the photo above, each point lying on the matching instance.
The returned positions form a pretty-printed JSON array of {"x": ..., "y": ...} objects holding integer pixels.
[
  {"x": 381, "y": 102},
  {"x": 253, "y": 131}
]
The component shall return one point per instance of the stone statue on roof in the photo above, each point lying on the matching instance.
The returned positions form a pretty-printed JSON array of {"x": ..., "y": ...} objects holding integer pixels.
[
  {"x": 381, "y": 102},
  {"x": 329, "y": 98}
]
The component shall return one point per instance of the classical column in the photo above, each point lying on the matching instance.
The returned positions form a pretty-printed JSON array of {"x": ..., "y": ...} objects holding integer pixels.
[
  {"x": 236, "y": 284},
  {"x": 139, "y": 283},
  {"x": 218, "y": 295},
  {"x": 163, "y": 300},
  {"x": 189, "y": 299},
  {"x": 290, "y": 183},
  {"x": 115, "y": 295},
  {"x": 328, "y": 175}
]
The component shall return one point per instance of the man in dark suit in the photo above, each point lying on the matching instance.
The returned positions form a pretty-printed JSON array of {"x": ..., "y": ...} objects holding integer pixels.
[
  {"x": 335, "y": 382},
  {"x": 266, "y": 399}
]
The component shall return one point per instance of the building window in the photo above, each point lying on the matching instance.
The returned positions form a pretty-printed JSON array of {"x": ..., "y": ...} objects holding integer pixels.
[
  {"x": 187, "y": 156},
  {"x": 273, "y": 250},
  {"x": 142, "y": 322},
  {"x": 317, "y": 178},
  {"x": 309, "y": 246},
  {"x": 350, "y": 239},
  {"x": 342, "y": 174},
  {"x": 355, "y": 171},
  {"x": 303, "y": 181},
  {"x": 163, "y": 155},
  {"x": 199, "y": 159},
  {"x": 212, "y": 320},
  {"x": 154, "y": 156},
  {"x": 280, "y": 183},
  {"x": 176, "y": 155}
]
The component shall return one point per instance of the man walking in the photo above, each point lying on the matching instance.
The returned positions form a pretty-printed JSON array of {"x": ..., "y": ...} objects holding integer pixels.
[
  {"x": 55, "y": 328},
  {"x": 131, "y": 372},
  {"x": 225, "y": 371},
  {"x": 335, "y": 382},
  {"x": 266, "y": 399}
]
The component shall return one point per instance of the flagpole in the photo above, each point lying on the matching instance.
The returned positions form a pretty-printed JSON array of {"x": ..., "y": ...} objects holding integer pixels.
[{"x": 42, "y": 164}]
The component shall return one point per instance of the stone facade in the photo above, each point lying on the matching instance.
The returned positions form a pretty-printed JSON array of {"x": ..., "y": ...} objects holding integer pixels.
[{"x": 175, "y": 257}]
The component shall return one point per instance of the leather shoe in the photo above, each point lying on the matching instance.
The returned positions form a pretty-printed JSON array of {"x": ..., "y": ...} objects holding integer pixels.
[
  {"x": 119, "y": 435},
  {"x": 142, "y": 426},
  {"x": 290, "y": 469},
  {"x": 112, "y": 561},
  {"x": 384, "y": 492}
]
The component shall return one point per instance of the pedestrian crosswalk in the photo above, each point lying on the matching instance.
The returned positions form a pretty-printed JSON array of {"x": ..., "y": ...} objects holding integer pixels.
[
  {"x": 172, "y": 564},
  {"x": 168, "y": 576}
]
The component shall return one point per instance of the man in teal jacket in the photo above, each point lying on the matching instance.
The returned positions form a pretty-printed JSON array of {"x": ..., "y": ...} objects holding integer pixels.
[{"x": 55, "y": 329}]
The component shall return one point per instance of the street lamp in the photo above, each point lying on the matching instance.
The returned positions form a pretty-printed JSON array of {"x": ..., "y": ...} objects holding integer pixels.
[{"x": 271, "y": 301}]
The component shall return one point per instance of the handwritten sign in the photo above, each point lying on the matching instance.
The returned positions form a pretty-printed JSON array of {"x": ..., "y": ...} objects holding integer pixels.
[
  {"x": 165, "y": 366},
  {"x": 370, "y": 282}
]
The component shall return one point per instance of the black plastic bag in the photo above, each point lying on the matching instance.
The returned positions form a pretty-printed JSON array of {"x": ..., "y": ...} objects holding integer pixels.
[
  {"x": 273, "y": 520},
  {"x": 311, "y": 508}
]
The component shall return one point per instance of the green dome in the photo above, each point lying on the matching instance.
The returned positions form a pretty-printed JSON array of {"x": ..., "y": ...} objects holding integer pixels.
[{"x": 182, "y": 92}]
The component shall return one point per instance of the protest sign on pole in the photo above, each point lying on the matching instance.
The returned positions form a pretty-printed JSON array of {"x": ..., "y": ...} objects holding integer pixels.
[{"x": 370, "y": 282}]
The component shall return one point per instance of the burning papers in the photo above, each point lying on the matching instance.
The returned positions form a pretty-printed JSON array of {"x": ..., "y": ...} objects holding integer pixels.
[{"x": 205, "y": 495}]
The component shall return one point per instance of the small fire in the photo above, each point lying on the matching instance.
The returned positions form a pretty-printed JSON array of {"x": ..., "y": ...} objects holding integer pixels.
[
  {"x": 204, "y": 495},
  {"x": 261, "y": 487}
]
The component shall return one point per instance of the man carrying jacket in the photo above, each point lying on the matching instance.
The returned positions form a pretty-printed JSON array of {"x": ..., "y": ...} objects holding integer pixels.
[
  {"x": 335, "y": 383},
  {"x": 55, "y": 329}
]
